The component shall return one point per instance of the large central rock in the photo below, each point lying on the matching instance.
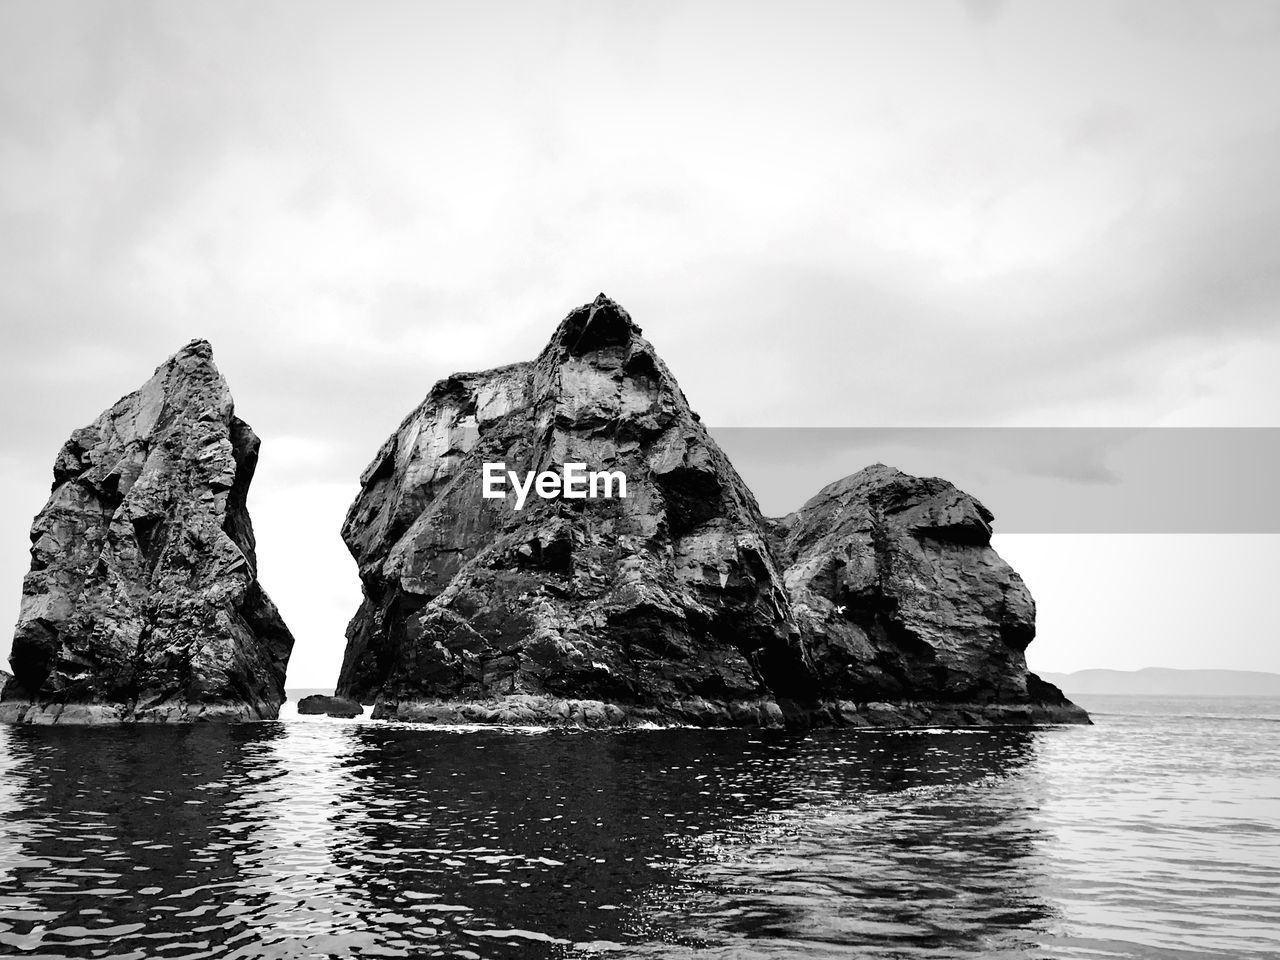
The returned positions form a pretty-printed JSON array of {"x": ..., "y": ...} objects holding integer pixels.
[
  {"x": 880, "y": 601},
  {"x": 143, "y": 601},
  {"x": 667, "y": 602}
]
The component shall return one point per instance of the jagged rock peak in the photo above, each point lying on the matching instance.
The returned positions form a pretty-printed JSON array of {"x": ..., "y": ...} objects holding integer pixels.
[
  {"x": 142, "y": 601},
  {"x": 665, "y": 600},
  {"x": 603, "y": 322}
]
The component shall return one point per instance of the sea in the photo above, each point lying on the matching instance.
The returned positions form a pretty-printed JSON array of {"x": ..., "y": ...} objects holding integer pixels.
[{"x": 1153, "y": 833}]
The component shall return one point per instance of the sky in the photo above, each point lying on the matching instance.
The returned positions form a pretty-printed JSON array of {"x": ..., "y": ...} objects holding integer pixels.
[{"x": 835, "y": 214}]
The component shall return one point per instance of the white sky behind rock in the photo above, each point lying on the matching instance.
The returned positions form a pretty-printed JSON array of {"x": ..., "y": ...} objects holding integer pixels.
[{"x": 822, "y": 214}]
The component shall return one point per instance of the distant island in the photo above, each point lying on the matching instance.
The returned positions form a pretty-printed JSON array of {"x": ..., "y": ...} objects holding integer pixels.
[{"x": 1167, "y": 682}]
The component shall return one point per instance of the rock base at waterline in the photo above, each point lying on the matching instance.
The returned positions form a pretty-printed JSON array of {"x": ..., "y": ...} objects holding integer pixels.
[{"x": 524, "y": 710}]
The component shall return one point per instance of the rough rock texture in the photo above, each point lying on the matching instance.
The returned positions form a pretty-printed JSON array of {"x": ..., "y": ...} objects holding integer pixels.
[
  {"x": 143, "y": 602},
  {"x": 671, "y": 605},
  {"x": 669, "y": 597},
  {"x": 319, "y": 705},
  {"x": 5, "y": 677},
  {"x": 901, "y": 597}
]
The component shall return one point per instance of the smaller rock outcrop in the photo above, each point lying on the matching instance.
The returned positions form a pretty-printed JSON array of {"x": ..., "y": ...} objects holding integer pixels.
[
  {"x": 903, "y": 601},
  {"x": 4, "y": 680},
  {"x": 318, "y": 705},
  {"x": 143, "y": 601}
]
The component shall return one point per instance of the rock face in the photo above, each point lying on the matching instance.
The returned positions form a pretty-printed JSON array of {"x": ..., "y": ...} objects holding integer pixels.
[
  {"x": 142, "y": 602},
  {"x": 880, "y": 601},
  {"x": 668, "y": 599},
  {"x": 319, "y": 705},
  {"x": 901, "y": 598}
]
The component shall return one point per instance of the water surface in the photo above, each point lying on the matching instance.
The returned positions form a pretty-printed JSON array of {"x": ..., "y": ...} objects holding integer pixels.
[{"x": 1155, "y": 833}]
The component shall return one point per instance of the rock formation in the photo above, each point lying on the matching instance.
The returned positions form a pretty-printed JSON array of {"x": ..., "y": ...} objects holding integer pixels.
[
  {"x": 318, "y": 705},
  {"x": 880, "y": 601},
  {"x": 666, "y": 600},
  {"x": 903, "y": 601},
  {"x": 142, "y": 602},
  {"x": 5, "y": 677}
]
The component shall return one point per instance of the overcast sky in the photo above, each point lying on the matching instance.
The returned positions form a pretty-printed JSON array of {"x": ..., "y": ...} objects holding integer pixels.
[{"x": 838, "y": 214}]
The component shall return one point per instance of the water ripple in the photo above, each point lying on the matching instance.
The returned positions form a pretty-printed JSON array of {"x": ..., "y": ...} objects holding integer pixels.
[{"x": 1154, "y": 834}]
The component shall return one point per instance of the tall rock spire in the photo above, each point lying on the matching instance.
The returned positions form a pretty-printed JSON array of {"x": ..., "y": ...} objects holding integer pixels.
[{"x": 143, "y": 601}]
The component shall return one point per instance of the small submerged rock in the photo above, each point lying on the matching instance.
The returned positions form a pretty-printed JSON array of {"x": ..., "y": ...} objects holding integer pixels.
[
  {"x": 318, "y": 705},
  {"x": 143, "y": 602}
]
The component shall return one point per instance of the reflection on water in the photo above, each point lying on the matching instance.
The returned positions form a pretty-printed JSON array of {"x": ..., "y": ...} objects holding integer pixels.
[{"x": 1141, "y": 836}]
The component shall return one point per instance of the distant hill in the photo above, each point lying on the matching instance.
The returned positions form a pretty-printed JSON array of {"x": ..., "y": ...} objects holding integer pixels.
[{"x": 1165, "y": 682}]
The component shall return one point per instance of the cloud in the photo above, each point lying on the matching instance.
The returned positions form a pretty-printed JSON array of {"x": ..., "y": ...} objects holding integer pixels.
[
  {"x": 832, "y": 214},
  {"x": 982, "y": 12}
]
